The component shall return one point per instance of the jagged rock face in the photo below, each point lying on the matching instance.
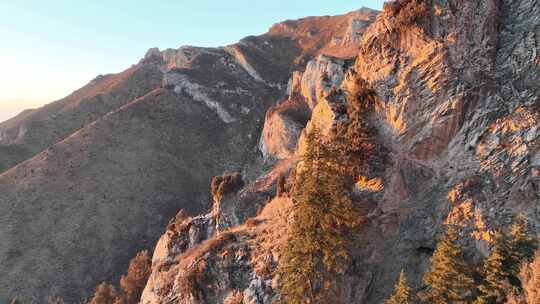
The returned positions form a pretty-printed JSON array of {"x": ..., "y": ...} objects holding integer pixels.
[
  {"x": 449, "y": 95},
  {"x": 457, "y": 111},
  {"x": 282, "y": 128},
  {"x": 339, "y": 35},
  {"x": 235, "y": 264},
  {"x": 113, "y": 161},
  {"x": 306, "y": 93},
  {"x": 319, "y": 78},
  {"x": 112, "y": 185}
]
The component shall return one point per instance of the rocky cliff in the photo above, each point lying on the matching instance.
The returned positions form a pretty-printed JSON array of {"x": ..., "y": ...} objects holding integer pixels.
[
  {"x": 453, "y": 120},
  {"x": 91, "y": 179},
  {"x": 456, "y": 116}
]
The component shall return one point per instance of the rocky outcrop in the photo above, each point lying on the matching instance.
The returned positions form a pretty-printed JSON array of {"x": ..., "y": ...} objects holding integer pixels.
[
  {"x": 282, "y": 128},
  {"x": 306, "y": 93},
  {"x": 114, "y": 160},
  {"x": 457, "y": 112},
  {"x": 236, "y": 263}
]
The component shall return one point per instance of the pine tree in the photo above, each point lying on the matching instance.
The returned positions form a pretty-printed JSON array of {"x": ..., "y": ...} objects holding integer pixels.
[
  {"x": 494, "y": 286},
  {"x": 318, "y": 237},
  {"x": 521, "y": 248},
  {"x": 402, "y": 293},
  {"x": 448, "y": 280}
]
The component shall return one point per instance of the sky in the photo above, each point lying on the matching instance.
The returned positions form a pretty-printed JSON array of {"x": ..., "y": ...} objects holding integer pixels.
[{"x": 50, "y": 48}]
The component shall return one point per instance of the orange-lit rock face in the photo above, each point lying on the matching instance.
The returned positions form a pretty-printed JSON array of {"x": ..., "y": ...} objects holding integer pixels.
[
  {"x": 510, "y": 145},
  {"x": 457, "y": 127},
  {"x": 467, "y": 203},
  {"x": 282, "y": 128},
  {"x": 339, "y": 35},
  {"x": 370, "y": 185},
  {"x": 123, "y": 154}
]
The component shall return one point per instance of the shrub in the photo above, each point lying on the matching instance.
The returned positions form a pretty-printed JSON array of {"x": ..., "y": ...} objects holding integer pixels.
[
  {"x": 105, "y": 294},
  {"x": 191, "y": 283},
  {"x": 134, "y": 282},
  {"x": 178, "y": 222},
  {"x": 227, "y": 183},
  {"x": 406, "y": 12}
]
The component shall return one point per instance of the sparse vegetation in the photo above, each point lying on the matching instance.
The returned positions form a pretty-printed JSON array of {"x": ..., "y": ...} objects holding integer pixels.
[
  {"x": 226, "y": 183},
  {"x": 177, "y": 223},
  {"x": 281, "y": 186},
  {"x": 191, "y": 282},
  {"x": 406, "y": 12},
  {"x": 105, "y": 294},
  {"x": 131, "y": 285}
]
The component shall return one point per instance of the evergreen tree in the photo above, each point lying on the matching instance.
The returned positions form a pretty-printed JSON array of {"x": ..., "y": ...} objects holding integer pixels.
[
  {"x": 494, "y": 288},
  {"x": 402, "y": 293},
  {"x": 318, "y": 236},
  {"x": 521, "y": 248},
  {"x": 448, "y": 280}
]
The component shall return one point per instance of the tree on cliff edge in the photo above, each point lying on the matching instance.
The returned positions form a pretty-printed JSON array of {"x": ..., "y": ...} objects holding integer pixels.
[
  {"x": 319, "y": 235},
  {"x": 131, "y": 285}
]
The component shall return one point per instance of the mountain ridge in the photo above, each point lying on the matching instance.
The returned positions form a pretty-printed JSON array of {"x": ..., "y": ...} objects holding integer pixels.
[
  {"x": 440, "y": 99},
  {"x": 100, "y": 187}
]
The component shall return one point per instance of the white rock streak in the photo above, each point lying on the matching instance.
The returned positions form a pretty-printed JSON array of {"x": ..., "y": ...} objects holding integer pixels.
[{"x": 183, "y": 84}]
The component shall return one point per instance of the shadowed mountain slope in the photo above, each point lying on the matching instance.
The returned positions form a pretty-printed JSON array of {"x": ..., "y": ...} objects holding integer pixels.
[{"x": 110, "y": 164}]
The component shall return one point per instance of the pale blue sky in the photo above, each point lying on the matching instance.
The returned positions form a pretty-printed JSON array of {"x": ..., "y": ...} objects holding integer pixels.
[{"x": 50, "y": 48}]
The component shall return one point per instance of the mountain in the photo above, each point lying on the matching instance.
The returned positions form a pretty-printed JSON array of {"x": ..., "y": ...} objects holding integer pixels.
[
  {"x": 440, "y": 99},
  {"x": 89, "y": 180},
  {"x": 455, "y": 124}
]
